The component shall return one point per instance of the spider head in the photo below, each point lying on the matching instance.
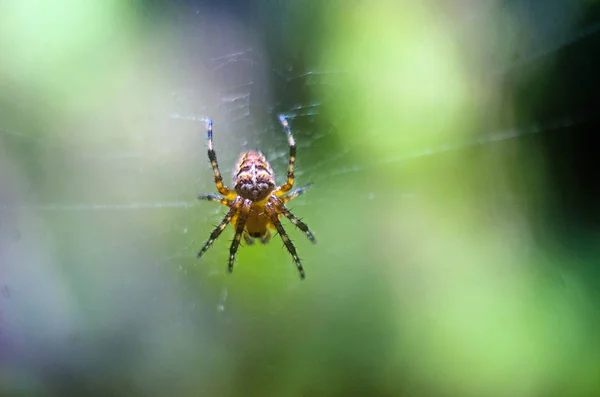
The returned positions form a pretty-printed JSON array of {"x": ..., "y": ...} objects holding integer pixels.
[{"x": 253, "y": 177}]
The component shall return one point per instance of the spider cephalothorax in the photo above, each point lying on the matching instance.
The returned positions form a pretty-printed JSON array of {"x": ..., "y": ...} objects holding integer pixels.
[{"x": 256, "y": 203}]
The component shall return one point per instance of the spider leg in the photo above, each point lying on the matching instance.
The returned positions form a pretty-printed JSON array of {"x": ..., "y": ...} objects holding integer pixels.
[
  {"x": 295, "y": 193},
  {"x": 219, "y": 229},
  {"x": 214, "y": 197},
  {"x": 271, "y": 210},
  {"x": 293, "y": 218},
  {"x": 290, "y": 173},
  {"x": 212, "y": 156},
  {"x": 249, "y": 240},
  {"x": 239, "y": 230}
]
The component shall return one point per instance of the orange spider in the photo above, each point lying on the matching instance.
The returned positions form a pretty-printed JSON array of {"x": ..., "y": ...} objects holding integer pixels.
[{"x": 255, "y": 204}]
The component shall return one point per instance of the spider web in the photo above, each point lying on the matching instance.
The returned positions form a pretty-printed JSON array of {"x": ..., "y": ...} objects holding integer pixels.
[{"x": 98, "y": 221}]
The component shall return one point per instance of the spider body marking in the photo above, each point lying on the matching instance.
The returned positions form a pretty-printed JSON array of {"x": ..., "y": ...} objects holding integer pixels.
[
  {"x": 256, "y": 203},
  {"x": 253, "y": 176}
]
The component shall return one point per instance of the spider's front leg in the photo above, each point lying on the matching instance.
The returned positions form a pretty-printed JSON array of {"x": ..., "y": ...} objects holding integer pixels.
[
  {"x": 274, "y": 217},
  {"x": 239, "y": 230},
  {"x": 220, "y": 227},
  {"x": 294, "y": 219}
]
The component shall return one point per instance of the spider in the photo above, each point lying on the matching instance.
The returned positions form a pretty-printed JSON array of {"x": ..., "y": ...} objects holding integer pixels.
[{"x": 256, "y": 203}]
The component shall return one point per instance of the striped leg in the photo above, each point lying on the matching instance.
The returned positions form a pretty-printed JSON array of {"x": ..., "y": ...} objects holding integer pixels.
[
  {"x": 269, "y": 207},
  {"x": 290, "y": 173},
  {"x": 294, "y": 219},
  {"x": 214, "y": 197},
  {"x": 295, "y": 193},
  {"x": 219, "y": 229},
  {"x": 239, "y": 230},
  {"x": 212, "y": 156}
]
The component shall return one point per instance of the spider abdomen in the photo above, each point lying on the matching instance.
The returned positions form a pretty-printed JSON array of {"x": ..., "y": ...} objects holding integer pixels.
[{"x": 253, "y": 176}]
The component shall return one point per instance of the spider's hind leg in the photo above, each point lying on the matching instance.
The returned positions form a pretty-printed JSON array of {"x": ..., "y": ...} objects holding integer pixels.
[
  {"x": 292, "y": 160},
  {"x": 212, "y": 157}
]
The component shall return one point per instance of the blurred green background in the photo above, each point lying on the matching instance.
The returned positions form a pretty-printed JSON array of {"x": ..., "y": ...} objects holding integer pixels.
[{"x": 450, "y": 147}]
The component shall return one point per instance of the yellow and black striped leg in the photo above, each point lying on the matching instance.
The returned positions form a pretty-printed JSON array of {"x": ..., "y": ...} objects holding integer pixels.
[
  {"x": 214, "y": 197},
  {"x": 219, "y": 229},
  {"x": 239, "y": 230},
  {"x": 269, "y": 207},
  {"x": 212, "y": 156},
  {"x": 290, "y": 173},
  {"x": 294, "y": 219},
  {"x": 295, "y": 193}
]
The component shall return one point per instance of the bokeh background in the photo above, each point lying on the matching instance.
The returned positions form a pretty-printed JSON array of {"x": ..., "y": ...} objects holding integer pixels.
[{"x": 451, "y": 146}]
